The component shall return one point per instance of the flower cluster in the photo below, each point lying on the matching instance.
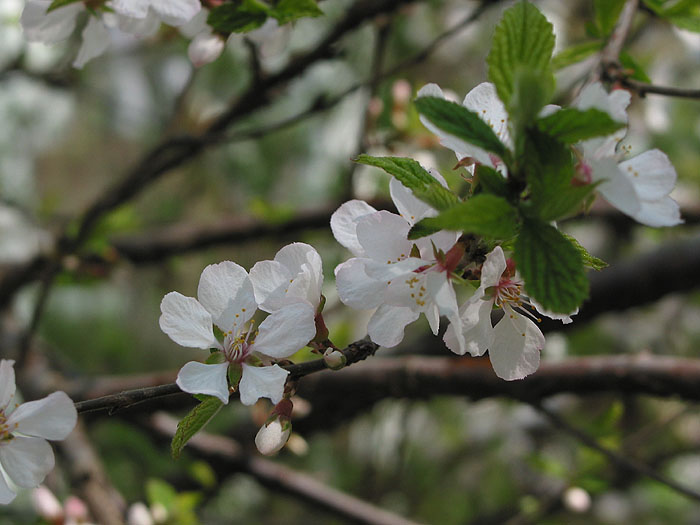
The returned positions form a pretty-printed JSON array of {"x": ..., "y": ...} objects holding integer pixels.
[
  {"x": 25, "y": 456},
  {"x": 288, "y": 288},
  {"x": 140, "y": 18}
]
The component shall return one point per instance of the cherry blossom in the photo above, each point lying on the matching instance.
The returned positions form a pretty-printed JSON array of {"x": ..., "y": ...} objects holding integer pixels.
[
  {"x": 225, "y": 298},
  {"x": 514, "y": 343},
  {"x": 398, "y": 277},
  {"x": 295, "y": 274},
  {"x": 638, "y": 187},
  {"x": 272, "y": 436},
  {"x": 25, "y": 456},
  {"x": 172, "y": 12}
]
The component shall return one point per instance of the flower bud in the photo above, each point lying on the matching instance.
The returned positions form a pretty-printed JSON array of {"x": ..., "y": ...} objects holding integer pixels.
[
  {"x": 46, "y": 504},
  {"x": 272, "y": 436},
  {"x": 76, "y": 508},
  {"x": 139, "y": 515},
  {"x": 205, "y": 48},
  {"x": 334, "y": 359}
]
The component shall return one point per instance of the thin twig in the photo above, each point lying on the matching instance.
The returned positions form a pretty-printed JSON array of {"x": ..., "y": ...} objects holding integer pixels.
[
  {"x": 642, "y": 88},
  {"x": 613, "y": 456},
  {"x": 355, "y": 352}
]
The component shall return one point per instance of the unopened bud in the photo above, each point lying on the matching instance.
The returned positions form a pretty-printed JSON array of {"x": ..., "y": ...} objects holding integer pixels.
[
  {"x": 205, "y": 48},
  {"x": 577, "y": 500},
  {"x": 273, "y": 436},
  {"x": 334, "y": 359},
  {"x": 46, "y": 504},
  {"x": 75, "y": 508},
  {"x": 139, "y": 515}
]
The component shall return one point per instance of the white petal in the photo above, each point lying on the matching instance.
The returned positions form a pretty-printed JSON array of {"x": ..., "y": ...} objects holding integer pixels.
[
  {"x": 6, "y": 493},
  {"x": 460, "y": 147},
  {"x": 430, "y": 90},
  {"x": 199, "y": 378},
  {"x": 262, "y": 381},
  {"x": 300, "y": 258},
  {"x": 410, "y": 207},
  {"x": 651, "y": 173},
  {"x": 187, "y": 322},
  {"x": 442, "y": 240},
  {"x": 616, "y": 187},
  {"x": 493, "y": 268},
  {"x": 52, "y": 417},
  {"x": 387, "y": 325},
  {"x": 286, "y": 331},
  {"x": 515, "y": 352},
  {"x": 477, "y": 332},
  {"x": 131, "y": 8},
  {"x": 270, "y": 281},
  {"x": 26, "y": 460},
  {"x": 95, "y": 42},
  {"x": 564, "y": 318},
  {"x": 226, "y": 292},
  {"x": 661, "y": 212},
  {"x": 355, "y": 288},
  {"x": 7, "y": 382},
  {"x": 141, "y": 27},
  {"x": 205, "y": 48},
  {"x": 382, "y": 235},
  {"x": 614, "y": 104},
  {"x": 40, "y": 26},
  {"x": 344, "y": 224},
  {"x": 484, "y": 101},
  {"x": 432, "y": 314},
  {"x": 176, "y": 12},
  {"x": 382, "y": 271},
  {"x": 272, "y": 437}
]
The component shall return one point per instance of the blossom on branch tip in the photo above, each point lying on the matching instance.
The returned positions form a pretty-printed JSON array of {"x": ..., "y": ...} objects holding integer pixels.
[
  {"x": 225, "y": 298},
  {"x": 638, "y": 187},
  {"x": 398, "y": 277},
  {"x": 25, "y": 456},
  {"x": 514, "y": 343}
]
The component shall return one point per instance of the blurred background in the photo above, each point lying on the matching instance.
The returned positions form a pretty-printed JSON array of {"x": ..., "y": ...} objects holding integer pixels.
[{"x": 67, "y": 136}]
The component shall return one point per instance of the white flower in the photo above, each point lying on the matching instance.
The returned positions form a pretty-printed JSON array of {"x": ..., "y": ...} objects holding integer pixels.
[
  {"x": 484, "y": 101},
  {"x": 387, "y": 273},
  {"x": 25, "y": 456},
  {"x": 515, "y": 342},
  {"x": 226, "y": 299},
  {"x": 173, "y": 12},
  {"x": 205, "y": 48},
  {"x": 295, "y": 274},
  {"x": 638, "y": 187},
  {"x": 273, "y": 436},
  {"x": 49, "y": 28}
]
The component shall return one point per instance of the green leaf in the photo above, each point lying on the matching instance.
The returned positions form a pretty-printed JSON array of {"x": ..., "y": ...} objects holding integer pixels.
[
  {"x": 555, "y": 203},
  {"x": 637, "y": 71},
  {"x": 193, "y": 423},
  {"x": 689, "y": 23},
  {"x": 483, "y": 214},
  {"x": 290, "y": 10},
  {"x": 464, "y": 124},
  {"x": 570, "y": 125},
  {"x": 60, "y": 3},
  {"x": 530, "y": 93},
  {"x": 490, "y": 180},
  {"x": 606, "y": 14},
  {"x": 412, "y": 175},
  {"x": 589, "y": 260},
  {"x": 551, "y": 266},
  {"x": 576, "y": 53},
  {"x": 523, "y": 39},
  {"x": 239, "y": 16}
]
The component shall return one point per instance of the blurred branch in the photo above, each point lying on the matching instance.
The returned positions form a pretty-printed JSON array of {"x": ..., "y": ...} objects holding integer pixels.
[
  {"x": 175, "y": 151},
  {"x": 424, "y": 377},
  {"x": 226, "y": 456},
  {"x": 642, "y": 88},
  {"x": 89, "y": 479},
  {"x": 614, "y": 457}
]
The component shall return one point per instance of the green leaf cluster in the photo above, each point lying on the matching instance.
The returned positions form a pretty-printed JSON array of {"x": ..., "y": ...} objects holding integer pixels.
[
  {"x": 682, "y": 13},
  {"x": 242, "y": 16},
  {"x": 540, "y": 183}
]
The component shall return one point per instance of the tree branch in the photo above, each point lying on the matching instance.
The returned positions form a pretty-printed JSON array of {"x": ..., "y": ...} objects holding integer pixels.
[
  {"x": 225, "y": 456},
  {"x": 614, "y": 457}
]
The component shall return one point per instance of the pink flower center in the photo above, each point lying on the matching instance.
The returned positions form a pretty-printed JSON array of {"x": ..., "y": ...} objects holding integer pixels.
[{"x": 584, "y": 174}]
